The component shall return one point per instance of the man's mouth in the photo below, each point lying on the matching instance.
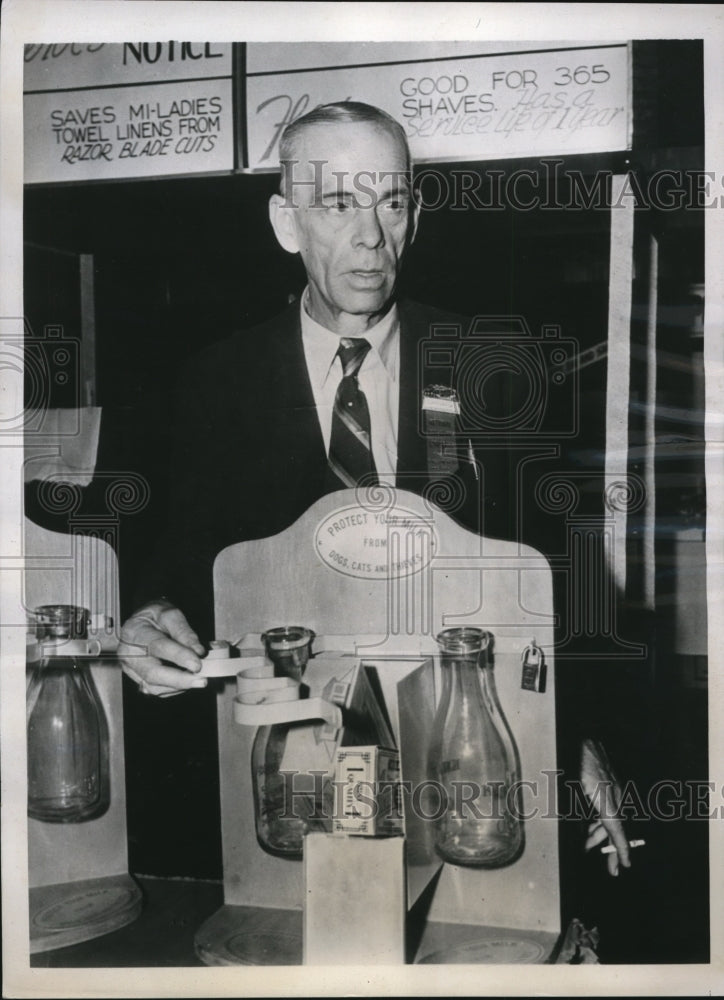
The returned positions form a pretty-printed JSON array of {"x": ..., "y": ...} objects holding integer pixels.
[{"x": 367, "y": 277}]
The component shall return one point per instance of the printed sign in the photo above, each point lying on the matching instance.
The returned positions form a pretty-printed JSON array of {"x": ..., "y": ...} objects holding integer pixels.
[
  {"x": 153, "y": 109},
  {"x": 375, "y": 544},
  {"x": 102, "y": 112},
  {"x": 485, "y": 107}
]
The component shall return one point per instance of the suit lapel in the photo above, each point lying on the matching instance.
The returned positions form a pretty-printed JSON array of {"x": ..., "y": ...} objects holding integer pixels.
[
  {"x": 411, "y": 444},
  {"x": 298, "y": 435},
  {"x": 296, "y": 438}
]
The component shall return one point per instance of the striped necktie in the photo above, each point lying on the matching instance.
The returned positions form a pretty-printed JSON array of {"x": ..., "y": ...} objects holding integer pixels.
[{"x": 350, "y": 452}]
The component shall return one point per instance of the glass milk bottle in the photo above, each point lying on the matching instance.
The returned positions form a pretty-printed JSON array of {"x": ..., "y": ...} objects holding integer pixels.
[
  {"x": 280, "y": 815},
  {"x": 66, "y": 726},
  {"x": 473, "y": 760}
]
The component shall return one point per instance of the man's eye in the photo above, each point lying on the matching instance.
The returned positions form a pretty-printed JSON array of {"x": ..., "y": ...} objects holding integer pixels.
[
  {"x": 396, "y": 205},
  {"x": 339, "y": 206}
]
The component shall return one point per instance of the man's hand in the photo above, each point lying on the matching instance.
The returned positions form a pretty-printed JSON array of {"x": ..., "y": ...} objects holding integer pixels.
[
  {"x": 604, "y": 792},
  {"x": 159, "y": 631}
]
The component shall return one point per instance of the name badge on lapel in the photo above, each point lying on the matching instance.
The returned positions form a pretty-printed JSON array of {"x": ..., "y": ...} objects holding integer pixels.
[
  {"x": 440, "y": 399},
  {"x": 440, "y": 408}
]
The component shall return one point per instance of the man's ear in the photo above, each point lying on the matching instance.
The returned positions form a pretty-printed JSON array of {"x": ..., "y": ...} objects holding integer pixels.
[{"x": 281, "y": 216}]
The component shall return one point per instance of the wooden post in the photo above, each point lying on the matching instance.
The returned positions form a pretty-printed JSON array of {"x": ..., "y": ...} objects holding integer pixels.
[
  {"x": 649, "y": 519},
  {"x": 619, "y": 371},
  {"x": 88, "y": 332}
]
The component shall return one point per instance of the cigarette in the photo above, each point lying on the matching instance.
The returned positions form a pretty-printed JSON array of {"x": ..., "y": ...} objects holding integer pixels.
[{"x": 610, "y": 848}]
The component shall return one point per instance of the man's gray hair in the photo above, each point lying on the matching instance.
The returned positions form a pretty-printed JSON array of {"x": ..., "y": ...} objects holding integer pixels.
[{"x": 338, "y": 113}]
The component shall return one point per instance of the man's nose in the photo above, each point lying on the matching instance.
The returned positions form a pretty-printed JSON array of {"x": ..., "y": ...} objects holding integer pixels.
[{"x": 368, "y": 231}]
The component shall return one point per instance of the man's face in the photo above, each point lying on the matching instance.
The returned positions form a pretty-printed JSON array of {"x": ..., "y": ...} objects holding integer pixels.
[{"x": 351, "y": 220}]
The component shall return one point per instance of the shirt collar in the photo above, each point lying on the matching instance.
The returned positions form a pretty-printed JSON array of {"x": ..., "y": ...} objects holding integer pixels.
[{"x": 321, "y": 344}]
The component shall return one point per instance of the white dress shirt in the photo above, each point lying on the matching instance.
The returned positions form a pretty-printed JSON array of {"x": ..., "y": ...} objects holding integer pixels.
[{"x": 378, "y": 379}]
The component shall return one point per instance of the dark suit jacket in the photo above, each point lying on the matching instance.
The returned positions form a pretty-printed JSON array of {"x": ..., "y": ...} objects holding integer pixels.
[{"x": 249, "y": 456}]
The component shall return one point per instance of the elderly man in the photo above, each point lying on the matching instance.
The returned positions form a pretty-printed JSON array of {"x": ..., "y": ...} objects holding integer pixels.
[
  {"x": 318, "y": 399},
  {"x": 323, "y": 397}
]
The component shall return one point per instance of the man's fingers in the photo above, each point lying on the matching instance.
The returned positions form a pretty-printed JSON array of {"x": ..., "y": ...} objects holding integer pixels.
[
  {"x": 163, "y": 647},
  {"x": 598, "y": 778},
  {"x": 149, "y": 626},
  {"x": 144, "y": 688},
  {"x": 148, "y": 641},
  {"x": 149, "y": 673},
  {"x": 603, "y": 791},
  {"x": 159, "y": 691},
  {"x": 596, "y": 837},
  {"x": 157, "y": 632},
  {"x": 174, "y": 622},
  {"x": 619, "y": 840}
]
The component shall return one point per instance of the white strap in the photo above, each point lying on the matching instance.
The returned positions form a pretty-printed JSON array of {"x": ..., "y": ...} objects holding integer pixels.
[
  {"x": 300, "y": 710},
  {"x": 69, "y": 647}
]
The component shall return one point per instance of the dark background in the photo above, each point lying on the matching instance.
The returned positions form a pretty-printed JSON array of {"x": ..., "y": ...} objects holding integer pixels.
[{"x": 180, "y": 263}]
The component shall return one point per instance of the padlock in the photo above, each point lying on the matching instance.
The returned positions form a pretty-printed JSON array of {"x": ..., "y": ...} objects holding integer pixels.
[{"x": 533, "y": 677}]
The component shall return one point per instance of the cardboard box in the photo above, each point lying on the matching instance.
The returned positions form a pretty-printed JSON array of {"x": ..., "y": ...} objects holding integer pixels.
[{"x": 306, "y": 734}]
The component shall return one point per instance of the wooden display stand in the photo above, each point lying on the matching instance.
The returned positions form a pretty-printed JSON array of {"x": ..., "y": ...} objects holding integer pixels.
[
  {"x": 78, "y": 872},
  {"x": 427, "y": 573}
]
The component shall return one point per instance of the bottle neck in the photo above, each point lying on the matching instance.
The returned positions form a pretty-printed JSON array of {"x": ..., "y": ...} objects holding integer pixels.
[{"x": 463, "y": 676}]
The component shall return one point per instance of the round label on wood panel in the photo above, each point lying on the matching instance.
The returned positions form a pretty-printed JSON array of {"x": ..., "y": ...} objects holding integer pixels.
[{"x": 375, "y": 544}]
